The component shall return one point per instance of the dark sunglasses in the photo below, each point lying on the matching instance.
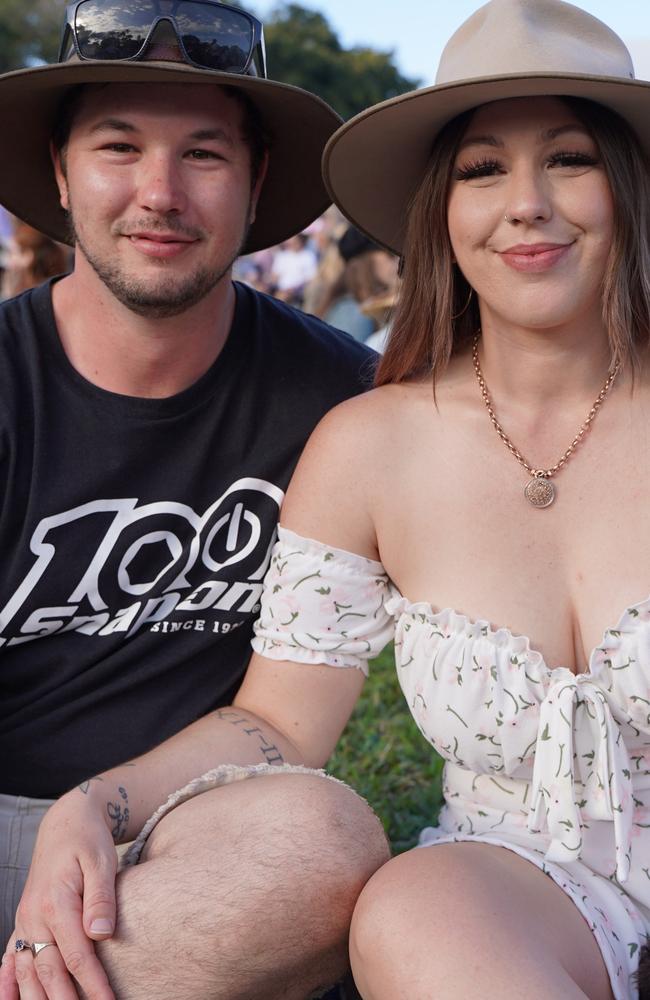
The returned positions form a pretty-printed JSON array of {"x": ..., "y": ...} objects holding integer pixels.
[{"x": 210, "y": 35}]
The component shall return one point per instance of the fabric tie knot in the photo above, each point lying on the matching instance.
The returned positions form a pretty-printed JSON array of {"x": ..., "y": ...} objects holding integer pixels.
[{"x": 581, "y": 769}]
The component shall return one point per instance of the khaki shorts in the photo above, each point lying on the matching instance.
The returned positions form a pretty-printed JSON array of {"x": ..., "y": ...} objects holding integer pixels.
[{"x": 20, "y": 818}]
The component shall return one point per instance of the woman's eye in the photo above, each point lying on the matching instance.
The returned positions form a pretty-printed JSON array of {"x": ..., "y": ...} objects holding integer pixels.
[
  {"x": 566, "y": 159},
  {"x": 479, "y": 168}
]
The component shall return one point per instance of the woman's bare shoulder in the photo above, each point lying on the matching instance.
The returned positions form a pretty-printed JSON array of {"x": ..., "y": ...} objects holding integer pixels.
[
  {"x": 345, "y": 462},
  {"x": 371, "y": 410}
]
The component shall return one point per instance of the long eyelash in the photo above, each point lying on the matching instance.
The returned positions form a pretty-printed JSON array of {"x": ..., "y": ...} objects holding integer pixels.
[
  {"x": 478, "y": 168},
  {"x": 485, "y": 166},
  {"x": 573, "y": 159}
]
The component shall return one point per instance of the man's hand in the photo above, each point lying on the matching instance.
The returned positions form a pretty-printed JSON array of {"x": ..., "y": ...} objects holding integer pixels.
[{"x": 69, "y": 899}]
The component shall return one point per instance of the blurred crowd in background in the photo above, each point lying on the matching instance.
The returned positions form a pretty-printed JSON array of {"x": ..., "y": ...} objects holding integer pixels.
[
  {"x": 27, "y": 257},
  {"x": 330, "y": 270}
]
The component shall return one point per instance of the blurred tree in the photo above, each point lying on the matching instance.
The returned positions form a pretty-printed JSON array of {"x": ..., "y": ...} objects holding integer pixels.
[
  {"x": 303, "y": 49},
  {"x": 30, "y": 31}
]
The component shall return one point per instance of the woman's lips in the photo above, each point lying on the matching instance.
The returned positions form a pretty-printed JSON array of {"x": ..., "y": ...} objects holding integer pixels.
[{"x": 534, "y": 257}]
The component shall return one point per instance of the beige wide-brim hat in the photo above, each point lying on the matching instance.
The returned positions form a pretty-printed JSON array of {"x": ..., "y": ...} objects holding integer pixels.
[
  {"x": 508, "y": 48},
  {"x": 299, "y": 124}
]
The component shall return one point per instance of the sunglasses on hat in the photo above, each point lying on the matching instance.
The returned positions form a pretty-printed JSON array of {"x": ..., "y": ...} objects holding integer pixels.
[{"x": 210, "y": 35}]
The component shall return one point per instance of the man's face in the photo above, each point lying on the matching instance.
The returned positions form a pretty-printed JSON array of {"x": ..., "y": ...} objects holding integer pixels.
[{"x": 157, "y": 181}]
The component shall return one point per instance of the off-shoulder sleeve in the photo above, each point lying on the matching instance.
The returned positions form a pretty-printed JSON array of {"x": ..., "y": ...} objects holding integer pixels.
[{"x": 322, "y": 605}]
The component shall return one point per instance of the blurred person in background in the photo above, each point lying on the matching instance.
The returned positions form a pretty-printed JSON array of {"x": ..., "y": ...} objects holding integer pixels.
[
  {"x": 324, "y": 241},
  {"x": 5, "y": 234},
  {"x": 368, "y": 272},
  {"x": 380, "y": 309},
  {"x": 31, "y": 257},
  {"x": 293, "y": 266}
]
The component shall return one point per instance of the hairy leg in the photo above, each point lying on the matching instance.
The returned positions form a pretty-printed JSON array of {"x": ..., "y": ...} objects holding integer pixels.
[
  {"x": 246, "y": 892},
  {"x": 464, "y": 920}
]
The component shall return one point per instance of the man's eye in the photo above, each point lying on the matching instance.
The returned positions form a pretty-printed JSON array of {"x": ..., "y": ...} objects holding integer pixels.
[
  {"x": 119, "y": 147},
  {"x": 478, "y": 168},
  {"x": 204, "y": 154}
]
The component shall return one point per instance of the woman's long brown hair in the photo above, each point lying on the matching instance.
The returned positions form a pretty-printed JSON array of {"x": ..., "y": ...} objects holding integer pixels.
[{"x": 437, "y": 312}]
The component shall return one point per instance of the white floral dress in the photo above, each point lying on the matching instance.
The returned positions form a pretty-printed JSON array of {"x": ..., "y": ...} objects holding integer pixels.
[{"x": 549, "y": 764}]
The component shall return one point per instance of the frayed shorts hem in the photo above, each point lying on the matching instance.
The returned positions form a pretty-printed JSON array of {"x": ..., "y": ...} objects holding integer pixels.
[{"x": 225, "y": 774}]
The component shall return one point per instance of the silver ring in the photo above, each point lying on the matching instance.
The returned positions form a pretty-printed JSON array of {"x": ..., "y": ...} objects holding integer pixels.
[
  {"x": 39, "y": 945},
  {"x": 22, "y": 945}
]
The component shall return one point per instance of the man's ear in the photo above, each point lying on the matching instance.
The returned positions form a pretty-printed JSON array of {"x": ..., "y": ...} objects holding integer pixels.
[
  {"x": 59, "y": 173},
  {"x": 257, "y": 187}
]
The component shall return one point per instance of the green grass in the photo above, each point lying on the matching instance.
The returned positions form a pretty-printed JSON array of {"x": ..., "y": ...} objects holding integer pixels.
[{"x": 383, "y": 755}]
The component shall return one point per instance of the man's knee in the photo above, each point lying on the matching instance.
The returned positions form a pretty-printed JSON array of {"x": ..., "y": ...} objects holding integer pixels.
[
  {"x": 263, "y": 874},
  {"x": 312, "y": 823}
]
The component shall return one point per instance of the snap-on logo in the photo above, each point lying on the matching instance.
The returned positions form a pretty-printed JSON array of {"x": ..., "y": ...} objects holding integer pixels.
[{"x": 136, "y": 565}]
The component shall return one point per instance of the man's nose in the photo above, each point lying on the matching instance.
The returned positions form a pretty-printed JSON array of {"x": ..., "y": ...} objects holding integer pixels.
[{"x": 160, "y": 187}]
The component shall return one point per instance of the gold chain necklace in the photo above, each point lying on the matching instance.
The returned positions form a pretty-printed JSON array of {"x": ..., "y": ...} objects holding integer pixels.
[{"x": 539, "y": 490}]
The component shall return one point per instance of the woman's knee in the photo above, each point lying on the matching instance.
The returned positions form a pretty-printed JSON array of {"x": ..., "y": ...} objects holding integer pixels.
[
  {"x": 390, "y": 905},
  {"x": 428, "y": 894},
  {"x": 437, "y": 910}
]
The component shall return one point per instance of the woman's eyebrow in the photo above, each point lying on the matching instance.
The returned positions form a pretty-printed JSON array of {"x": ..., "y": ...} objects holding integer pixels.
[
  {"x": 481, "y": 140},
  {"x": 546, "y": 136},
  {"x": 553, "y": 133}
]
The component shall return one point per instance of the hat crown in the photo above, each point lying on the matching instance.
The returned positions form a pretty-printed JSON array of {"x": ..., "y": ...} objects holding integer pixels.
[{"x": 533, "y": 36}]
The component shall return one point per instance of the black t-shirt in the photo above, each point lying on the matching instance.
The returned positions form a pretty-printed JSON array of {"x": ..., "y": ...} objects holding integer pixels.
[{"x": 134, "y": 533}]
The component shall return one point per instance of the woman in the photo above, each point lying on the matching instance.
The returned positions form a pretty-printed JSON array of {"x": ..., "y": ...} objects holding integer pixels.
[{"x": 526, "y": 304}]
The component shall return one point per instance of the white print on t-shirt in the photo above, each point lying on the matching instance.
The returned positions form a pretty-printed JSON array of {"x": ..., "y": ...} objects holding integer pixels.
[
  {"x": 197, "y": 625},
  {"x": 195, "y": 574}
]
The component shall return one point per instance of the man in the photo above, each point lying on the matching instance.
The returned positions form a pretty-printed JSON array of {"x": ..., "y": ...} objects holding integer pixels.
[{"x": 150, "y": 416}]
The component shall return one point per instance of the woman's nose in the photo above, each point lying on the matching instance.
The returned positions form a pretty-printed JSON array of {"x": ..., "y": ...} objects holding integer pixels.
[{"x": 528, "y": 197}]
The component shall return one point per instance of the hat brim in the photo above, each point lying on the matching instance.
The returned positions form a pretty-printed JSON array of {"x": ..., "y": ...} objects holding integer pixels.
[
  {"x": 299, "y": 124},
  {"x": 374, "y": 163}
]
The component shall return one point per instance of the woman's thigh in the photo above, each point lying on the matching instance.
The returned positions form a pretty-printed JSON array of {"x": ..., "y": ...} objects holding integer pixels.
[{"x": 462, "y": 920}]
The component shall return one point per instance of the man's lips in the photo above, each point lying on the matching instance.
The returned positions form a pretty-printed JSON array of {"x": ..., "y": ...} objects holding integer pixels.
[
  {"x": 156, "y": 244},
  {"x": 534, "y": 257}
]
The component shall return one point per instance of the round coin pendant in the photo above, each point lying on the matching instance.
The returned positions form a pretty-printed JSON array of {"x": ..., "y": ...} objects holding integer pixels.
[{"x": 540, "y": 491}]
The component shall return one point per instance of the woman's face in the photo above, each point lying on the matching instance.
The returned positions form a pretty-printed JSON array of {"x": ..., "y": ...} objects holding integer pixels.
[{"x": 530, "y": 214}]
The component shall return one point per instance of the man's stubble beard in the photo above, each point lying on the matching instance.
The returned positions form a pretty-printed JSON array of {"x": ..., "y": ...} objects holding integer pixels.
[{"x": 167, "y": 298}]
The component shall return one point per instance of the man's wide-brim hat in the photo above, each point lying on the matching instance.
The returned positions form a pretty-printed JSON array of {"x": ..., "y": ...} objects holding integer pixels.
[
  {"x": 298, "y": 123},
  {"x": 375, "y": 162}
]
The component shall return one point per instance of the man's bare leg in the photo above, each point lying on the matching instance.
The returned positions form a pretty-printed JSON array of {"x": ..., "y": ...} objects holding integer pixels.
[{"x": 246, "y": 893}]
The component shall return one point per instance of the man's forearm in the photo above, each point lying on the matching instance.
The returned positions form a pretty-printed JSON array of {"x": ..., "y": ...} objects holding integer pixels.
[{"x": 128, "y": 794}]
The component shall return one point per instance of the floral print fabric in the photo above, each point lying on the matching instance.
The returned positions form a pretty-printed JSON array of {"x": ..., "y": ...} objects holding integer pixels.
[
  {"x": 552, "y": 765},
  {"x": 309, "y": 584}
]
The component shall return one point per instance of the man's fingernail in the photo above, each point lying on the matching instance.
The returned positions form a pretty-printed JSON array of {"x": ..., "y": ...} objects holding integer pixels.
[{"x": 101, "y": 927}]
